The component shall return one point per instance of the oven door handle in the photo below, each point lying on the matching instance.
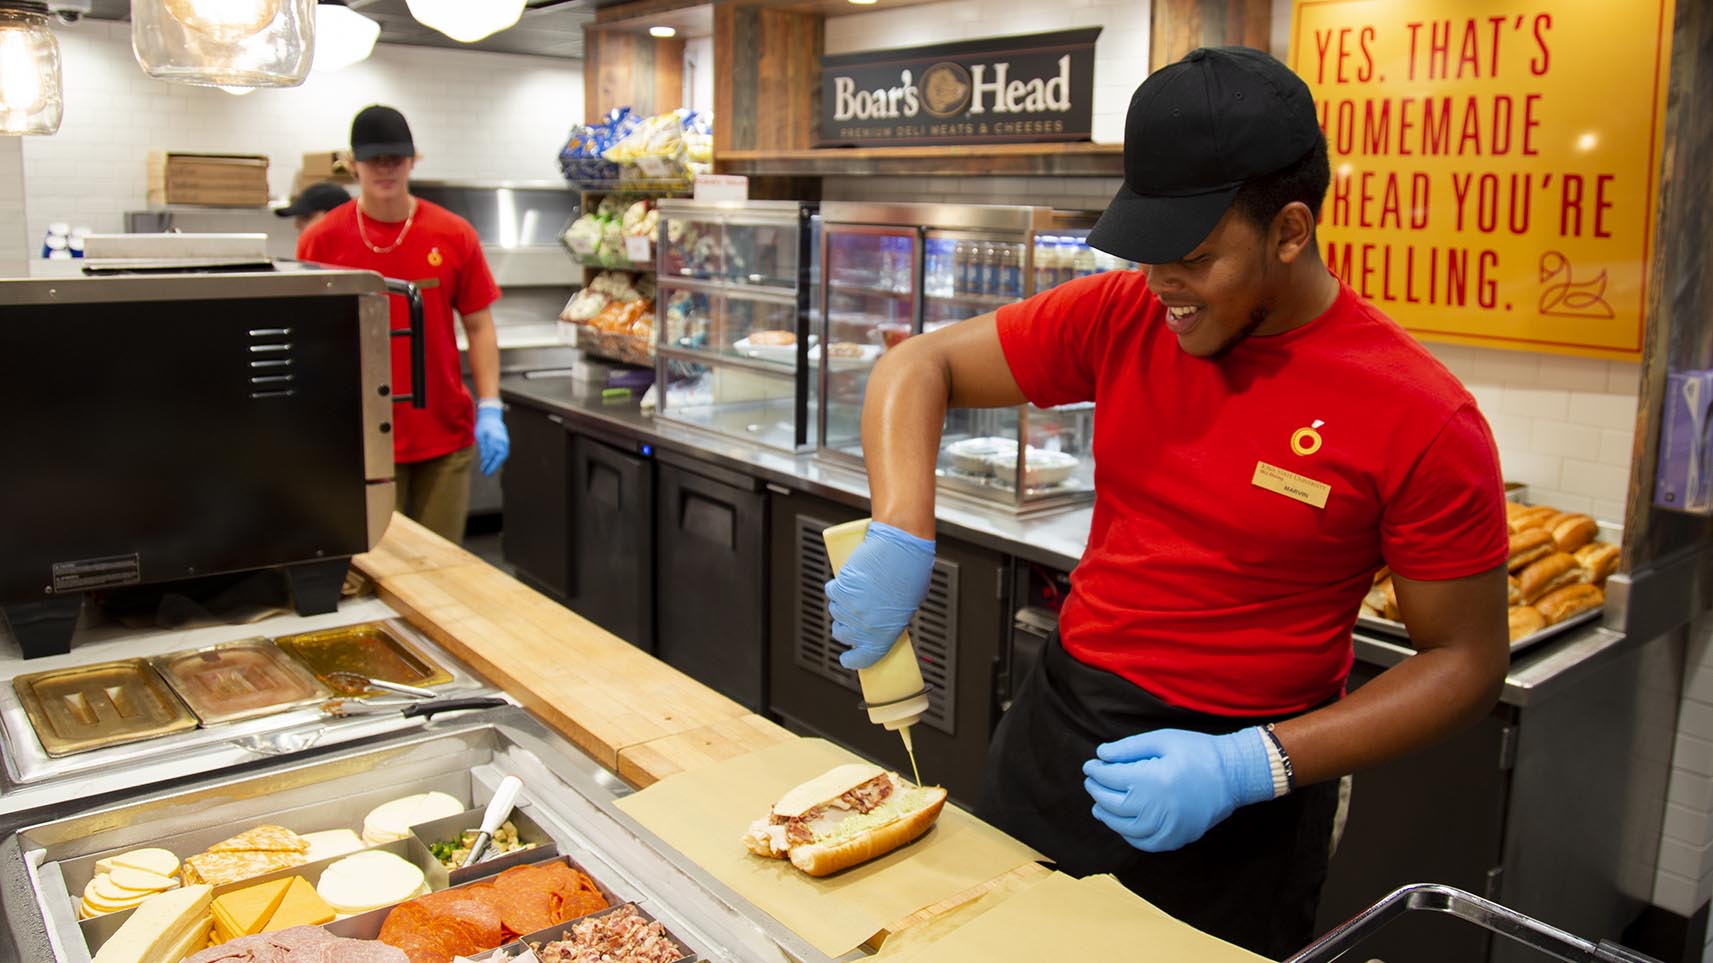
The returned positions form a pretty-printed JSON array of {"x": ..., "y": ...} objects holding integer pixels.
[{"x": 418, "y": 395}]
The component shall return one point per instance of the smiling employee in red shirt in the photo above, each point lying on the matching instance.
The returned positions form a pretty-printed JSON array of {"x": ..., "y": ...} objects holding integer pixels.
[
  {"x": 1264, "y": 440},
  {"x": 400, "y": 236}
]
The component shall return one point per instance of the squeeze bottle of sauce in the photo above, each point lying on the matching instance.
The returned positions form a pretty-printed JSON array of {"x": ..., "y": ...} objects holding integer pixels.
[{"x": 892, "y": 689}]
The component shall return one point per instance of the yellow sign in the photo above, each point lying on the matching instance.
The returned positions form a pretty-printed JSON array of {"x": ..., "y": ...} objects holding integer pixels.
[
  {"x": 1290, "y": 484},
  {"x": 1494, "y": 163}
]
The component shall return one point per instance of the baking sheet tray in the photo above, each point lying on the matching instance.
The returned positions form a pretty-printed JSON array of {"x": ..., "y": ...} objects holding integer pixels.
[
  {"x": 93, "y": 706},
  {"x": 238, "y": 680},
  {"x": 1400, "y": 631},
  {"x": 371, "y": 649},
  {"x": 1061, "y": 918},
  {"x": 703, "y": 814}
]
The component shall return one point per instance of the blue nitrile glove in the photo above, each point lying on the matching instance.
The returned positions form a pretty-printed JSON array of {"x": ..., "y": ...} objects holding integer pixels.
[
  {"x": 491, "y": 439},
  {"x": 877, "y": 592},
  {"x": 1162, "y": 790}
]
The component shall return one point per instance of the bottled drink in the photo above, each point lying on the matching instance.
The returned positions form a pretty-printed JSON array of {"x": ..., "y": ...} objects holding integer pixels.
[
  {"x": 989, "y": 269},
  {"x": 1044, "y": 262},
  {"x": 961, "y": 271},
  {"x": 1010, "y": 273},
  {"x": 1085, "y": 265},
  {"x": 938, "y": 270}
]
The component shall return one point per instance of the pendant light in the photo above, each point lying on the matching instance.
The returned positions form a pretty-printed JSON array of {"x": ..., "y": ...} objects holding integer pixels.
[
  {"x": 466, "y": 21},
  {"x": 342, "y": 36},
  {"x": 236, "y": 43},
  {"x": 30, "y": 98}
]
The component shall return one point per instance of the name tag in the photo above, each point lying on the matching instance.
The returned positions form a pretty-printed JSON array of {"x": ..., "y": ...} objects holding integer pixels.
[{"x": 1290, "y": 484}]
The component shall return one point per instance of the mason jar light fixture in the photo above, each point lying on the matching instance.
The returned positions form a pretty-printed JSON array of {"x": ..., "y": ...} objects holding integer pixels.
[
  {"x": 225, "y": 43},
  {"x": 30, "y": 97}
]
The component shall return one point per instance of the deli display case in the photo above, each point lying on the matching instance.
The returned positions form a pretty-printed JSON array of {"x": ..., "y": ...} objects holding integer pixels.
[
  {"x": 893, "y": 271},
  {"x": 735, "y": 286}
]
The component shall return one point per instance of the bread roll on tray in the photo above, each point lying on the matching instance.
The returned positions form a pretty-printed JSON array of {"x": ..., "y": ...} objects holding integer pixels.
[
  {"x": 1572, "y": 531},
  {"x": 1555, "y": 570},
  {"x": 1599, "y": 559},
  {"x": 1570, "y": 600},
  {"x": 1526, "y": 620},
  {"x": 1530, "y": 546}
]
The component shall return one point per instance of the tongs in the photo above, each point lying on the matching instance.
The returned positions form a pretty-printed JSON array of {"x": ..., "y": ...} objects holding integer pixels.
[{"x": 412, "y": 701}]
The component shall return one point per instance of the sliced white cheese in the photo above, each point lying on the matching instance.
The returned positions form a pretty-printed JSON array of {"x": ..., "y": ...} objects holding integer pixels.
[
  {"x": 392, "y": 820},
  {"x": 158, "y": 926},
  {"x": 330, "y": 843},
  {"x": 161, "y": 862},
  {"x": 139, "y": 880},
  {"x": 363, "y": 881}
]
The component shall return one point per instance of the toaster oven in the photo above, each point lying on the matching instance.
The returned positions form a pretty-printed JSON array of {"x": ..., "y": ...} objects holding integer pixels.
[{"x": 163, "y": 427}]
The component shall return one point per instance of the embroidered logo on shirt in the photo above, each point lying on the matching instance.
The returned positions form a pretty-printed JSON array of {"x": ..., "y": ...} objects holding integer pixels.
[
  {"x": 435, "y": 258},
  {"x": 1307, "y": 441}
]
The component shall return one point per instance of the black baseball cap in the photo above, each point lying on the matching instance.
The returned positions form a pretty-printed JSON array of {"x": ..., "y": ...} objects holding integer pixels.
[
  {"x": 1198, "y": 129},
  {"x": 380, "y": 131},
  {"x": 317, "y": 198}
]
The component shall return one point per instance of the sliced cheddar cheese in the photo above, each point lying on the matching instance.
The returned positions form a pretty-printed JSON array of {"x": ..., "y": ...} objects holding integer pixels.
[{"x": 302, "y": 906}]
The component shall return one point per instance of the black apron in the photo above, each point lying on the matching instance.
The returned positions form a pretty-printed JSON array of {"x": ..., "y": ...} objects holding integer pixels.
[{"x": 1253, "y": 880}]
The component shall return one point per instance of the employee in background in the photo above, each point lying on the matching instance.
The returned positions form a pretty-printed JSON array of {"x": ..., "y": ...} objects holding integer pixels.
[
  {"x": 401, "y": 236},
  {"x": 1264, "y": 440},
  {"x": 314, "y": 203}
]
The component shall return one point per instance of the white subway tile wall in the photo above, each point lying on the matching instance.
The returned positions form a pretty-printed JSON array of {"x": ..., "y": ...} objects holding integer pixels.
[
  {"x": 1565, "y": 426},
  {"x": 473, "y": 114},
  {"x": 14, "y": 234},
  {"x": 1684, "y": 880},
  {"x": 1120, "y": 53}
]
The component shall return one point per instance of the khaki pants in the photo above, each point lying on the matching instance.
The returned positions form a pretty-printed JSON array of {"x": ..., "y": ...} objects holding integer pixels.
[{"x": 436, "y": 492}]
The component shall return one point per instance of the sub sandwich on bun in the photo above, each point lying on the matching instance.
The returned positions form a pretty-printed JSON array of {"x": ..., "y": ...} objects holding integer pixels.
[{"x": 845, "y": 816}]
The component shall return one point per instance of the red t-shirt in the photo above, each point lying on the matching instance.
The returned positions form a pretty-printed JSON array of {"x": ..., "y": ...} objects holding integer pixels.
[
  {"x": 442, "y": 255},
  {"x": 1201, "y": 586}
]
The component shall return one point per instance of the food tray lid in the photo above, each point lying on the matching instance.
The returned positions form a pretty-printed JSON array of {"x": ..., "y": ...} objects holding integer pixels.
[
  {"x": 238, "y": 680},
  {"x": 105, "y": 704}
]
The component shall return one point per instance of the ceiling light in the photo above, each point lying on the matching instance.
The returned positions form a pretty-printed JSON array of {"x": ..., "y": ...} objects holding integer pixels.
[
  {"x": 342, "y": 37},
  {"x": 235, "y": 43},
  {"x": 466, "y": 21},
  {"x": 30, "y": 98},
  {"x": 862, "y": 3},
  {"x": 663, "y": 32}
]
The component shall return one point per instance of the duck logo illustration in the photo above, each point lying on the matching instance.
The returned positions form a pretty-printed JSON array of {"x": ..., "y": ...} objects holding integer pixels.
[
  {"x": 1307, "y": 441},
  {"x": 435, "y": 258}
]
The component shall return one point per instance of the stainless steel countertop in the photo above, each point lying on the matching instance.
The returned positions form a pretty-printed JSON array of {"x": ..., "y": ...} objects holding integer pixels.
[{"x": 1056, "y": 540}]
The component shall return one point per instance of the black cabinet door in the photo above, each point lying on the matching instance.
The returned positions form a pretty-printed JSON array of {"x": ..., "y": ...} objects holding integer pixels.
[
  {"x": 1435, "y": 816},
  {"x": 612, "y": 498},
  {"x": 536, "y": 536},
  {"x": 957, "y": 634},
  {"x": 711, "y": 612}
]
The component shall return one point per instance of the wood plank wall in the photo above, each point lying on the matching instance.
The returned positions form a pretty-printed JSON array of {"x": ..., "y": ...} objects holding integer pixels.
[
  {"x": 1180, "y": 26},
  {"x": 623, "y": 68},
  {"x": 767, "y": 69}
]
